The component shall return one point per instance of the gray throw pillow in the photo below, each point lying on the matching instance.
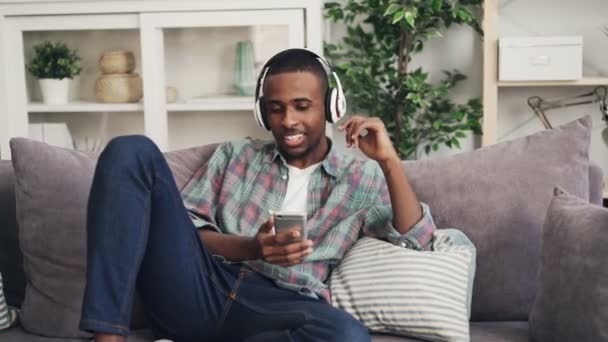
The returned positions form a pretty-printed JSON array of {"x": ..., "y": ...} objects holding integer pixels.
[
  {"x": 498, "y": 196},
  {"x": 572, "y": 301},
  {"x": 52, "y": 190}
]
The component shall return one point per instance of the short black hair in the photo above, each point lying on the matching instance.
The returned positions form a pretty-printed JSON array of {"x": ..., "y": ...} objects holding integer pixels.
[{"x": 297, "y": 60}]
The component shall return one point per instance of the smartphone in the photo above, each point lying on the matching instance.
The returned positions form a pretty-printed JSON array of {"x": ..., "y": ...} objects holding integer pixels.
[{"x": 284, "y": 221}]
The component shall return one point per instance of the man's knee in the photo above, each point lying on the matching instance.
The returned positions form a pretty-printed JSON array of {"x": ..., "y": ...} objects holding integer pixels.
[{"x": 129, "y": 149}]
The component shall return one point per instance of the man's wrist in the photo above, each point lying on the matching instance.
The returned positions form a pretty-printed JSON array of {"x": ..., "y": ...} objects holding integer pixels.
[
  {"x": 255, "y": 248},
  {"x": 390, "y": 164}
]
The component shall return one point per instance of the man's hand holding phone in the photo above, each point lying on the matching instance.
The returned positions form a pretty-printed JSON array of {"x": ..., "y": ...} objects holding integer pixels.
[{"x": 286, "y": 247}]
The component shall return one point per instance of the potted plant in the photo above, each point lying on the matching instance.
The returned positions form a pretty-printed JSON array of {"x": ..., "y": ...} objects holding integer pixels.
[
  {"x": 373, "y": 62},
  {"x": 54, "y": 65}
]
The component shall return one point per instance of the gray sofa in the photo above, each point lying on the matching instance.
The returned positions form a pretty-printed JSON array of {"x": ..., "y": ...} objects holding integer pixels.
[{"x": 490, "y": 323}]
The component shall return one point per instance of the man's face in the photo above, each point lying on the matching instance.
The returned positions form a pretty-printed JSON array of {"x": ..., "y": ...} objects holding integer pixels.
[{"x": 295, "y": 110}]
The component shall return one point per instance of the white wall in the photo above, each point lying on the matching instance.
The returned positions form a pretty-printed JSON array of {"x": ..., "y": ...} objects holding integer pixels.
[{"x": 461, "y": 48}]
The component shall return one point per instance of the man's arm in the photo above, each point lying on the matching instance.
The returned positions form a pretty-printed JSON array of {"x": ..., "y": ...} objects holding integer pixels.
[
  {"x": 376, "y": 145},
  {"x": 231, "y": 247},
  {"x": 406, "y": 208}
]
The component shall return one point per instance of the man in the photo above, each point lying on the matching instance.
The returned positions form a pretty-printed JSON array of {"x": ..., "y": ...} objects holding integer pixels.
[{"x": 235, "y": 278}]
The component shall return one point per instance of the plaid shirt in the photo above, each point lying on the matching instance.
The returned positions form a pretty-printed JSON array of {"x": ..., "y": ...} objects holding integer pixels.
[{"x": 239, "y": 187}]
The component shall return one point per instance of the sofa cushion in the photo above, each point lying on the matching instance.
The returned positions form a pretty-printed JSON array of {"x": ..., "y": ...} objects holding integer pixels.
[
  {"x": 52, "y": 188},
  {"x": 480, "y": 332},
  {"x": 11, "y": 260},
  {"x": 572, "y": 301},
  {"x": 422, "y": 294},
  {"x": 17, "y": 334},
  {"x": 596, "y": 184},
  {"x": 498, "y": 197},
  {"x": 51, "y": 191}
]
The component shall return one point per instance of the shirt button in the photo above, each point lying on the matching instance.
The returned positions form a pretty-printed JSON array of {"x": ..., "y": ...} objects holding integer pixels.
[
  {"x": 284, "y": 177},
  {"x": 403, "y": 244}
]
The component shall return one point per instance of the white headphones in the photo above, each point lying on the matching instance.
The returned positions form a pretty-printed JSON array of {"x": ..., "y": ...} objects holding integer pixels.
[{"x": 335, "y": 102}]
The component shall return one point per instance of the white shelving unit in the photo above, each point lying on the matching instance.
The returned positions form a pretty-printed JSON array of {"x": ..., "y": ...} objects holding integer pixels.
[
  {"x": 586, "y": 81},
  {"x": 84, "y": 106},
  {"x": 491, "y": 84},
  {"x": 154, "y": 28},
  {"x": 224, "y": 103}
]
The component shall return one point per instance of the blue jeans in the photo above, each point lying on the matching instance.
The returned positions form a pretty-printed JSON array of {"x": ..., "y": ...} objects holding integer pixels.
[{"x": 140, "y": 238}]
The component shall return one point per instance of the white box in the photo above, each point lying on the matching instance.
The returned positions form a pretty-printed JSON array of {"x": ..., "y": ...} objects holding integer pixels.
[{"x": 540, "y": 58}]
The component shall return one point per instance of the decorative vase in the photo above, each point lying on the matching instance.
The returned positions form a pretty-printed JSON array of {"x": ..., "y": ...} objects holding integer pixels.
[
  {"x": 171, "y": 94},
  {"x": 117, "y": 62},
  {"x": 54, "y": 91},
  {"x": 118, "y": 88},
  {"x": 244, "y": 69}
]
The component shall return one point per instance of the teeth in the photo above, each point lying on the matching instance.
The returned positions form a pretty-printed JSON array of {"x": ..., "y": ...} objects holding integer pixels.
[{"x": 293, "y": 137}]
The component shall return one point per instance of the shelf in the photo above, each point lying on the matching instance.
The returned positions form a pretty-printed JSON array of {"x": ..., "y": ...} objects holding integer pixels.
[
  {"x": 586, "y": 81},
  {"x": 84, "y": 106},
  {"x": 221, "y": 103}
]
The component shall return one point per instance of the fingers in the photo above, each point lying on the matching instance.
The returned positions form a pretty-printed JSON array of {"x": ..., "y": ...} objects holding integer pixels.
[
  {"x": 282, "y": 250},
  {"x": 279, "y": 249},
  {"x": 287, "y": 236},
  {"x": 268, "y": 226},
  {"x": 356, "y": 125},
  {"x": 348, "y": 127},
  {"x": 291, "y": 254}
]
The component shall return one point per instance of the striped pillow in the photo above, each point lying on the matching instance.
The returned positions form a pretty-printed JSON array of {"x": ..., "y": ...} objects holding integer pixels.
[
  {"x": 420, "y": 294},
  {"x": 8, "y": 315}
]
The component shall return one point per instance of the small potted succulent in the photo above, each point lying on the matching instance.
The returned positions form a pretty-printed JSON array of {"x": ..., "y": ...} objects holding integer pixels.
[{"x": 54, "y": 65}]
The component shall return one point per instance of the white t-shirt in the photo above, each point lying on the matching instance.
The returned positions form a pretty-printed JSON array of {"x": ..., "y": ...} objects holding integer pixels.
[{"x": 297, "y": 189}]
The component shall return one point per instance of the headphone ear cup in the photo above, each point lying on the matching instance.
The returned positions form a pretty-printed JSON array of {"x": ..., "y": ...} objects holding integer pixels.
[
  {"x": 328, "y": 106},
  {"x": 259, "y": 112},
  {"x": 264, "y": 115},
  {"x": 333, "y": 114}
]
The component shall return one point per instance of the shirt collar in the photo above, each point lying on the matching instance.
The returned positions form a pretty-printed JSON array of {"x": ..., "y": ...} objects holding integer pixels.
[{"x": 331, "y": 163}]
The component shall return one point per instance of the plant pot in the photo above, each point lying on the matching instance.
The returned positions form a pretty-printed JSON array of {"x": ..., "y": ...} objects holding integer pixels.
[
  {"x": 118, "y": 88},
  {"x": 55, "y": 91}
]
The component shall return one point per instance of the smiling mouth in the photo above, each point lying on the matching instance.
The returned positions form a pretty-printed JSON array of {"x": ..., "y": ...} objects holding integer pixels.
[{"x": 293, "y": 140}]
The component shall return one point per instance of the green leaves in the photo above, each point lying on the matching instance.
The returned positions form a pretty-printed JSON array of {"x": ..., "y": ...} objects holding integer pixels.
[
  {"x": 410, "y": 17},
  {"x": 433, "y": 34},
  {"x": 373, "y": 62},
  {"x": 54, "y": 60},
  {"x": 436, "y": 5},
  {"x": 398, "y": 16},
  {"x": 462, "y": 14},
  {"x": 392, "y": 8},
  {"x": 399, "y": 13}
]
